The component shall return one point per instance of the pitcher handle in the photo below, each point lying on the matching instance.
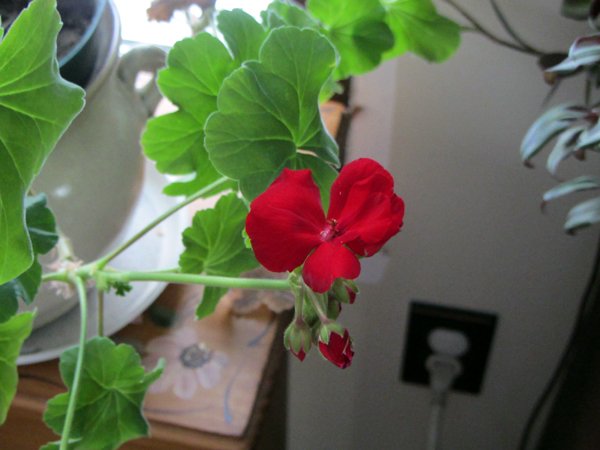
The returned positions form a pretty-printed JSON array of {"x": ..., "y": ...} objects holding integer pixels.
[{"x": 143, "y": 59}]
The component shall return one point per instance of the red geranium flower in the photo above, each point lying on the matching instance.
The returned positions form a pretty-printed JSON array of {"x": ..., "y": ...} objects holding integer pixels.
[
  {"x": 288, "y": 228},
  {"x": 338, "y": 350}
]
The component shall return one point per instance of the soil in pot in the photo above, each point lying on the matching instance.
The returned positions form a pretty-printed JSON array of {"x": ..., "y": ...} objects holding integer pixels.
[{"x": 75, "y": 14}]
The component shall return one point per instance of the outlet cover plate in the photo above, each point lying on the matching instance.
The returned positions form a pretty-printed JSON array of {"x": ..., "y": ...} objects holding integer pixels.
[{"x": 479, "y": 327}]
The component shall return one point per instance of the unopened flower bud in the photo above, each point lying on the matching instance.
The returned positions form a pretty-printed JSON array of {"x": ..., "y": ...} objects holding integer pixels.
[
  {"x": 334, "y": 308},
  {"x": 344, "y": 291},
  {"x": 338, "y": 349},
  {"x": 327, "y": 329},
  {"x": 297, "y": 339}
]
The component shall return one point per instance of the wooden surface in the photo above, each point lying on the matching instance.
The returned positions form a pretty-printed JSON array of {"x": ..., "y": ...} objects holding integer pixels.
[{"x": 212, "y": 400}]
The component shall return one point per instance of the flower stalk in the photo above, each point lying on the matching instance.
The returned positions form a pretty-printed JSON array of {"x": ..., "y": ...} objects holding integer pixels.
[
  {"x": 316, "y": 301},
  {"x": 107, "y": 277},
  {"x": 102, "y": 262},
  {"x": 66, "y": 431}
]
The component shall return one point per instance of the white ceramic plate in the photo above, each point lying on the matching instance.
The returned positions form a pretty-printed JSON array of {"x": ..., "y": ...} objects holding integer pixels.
[{"x": 159, "y": 249}]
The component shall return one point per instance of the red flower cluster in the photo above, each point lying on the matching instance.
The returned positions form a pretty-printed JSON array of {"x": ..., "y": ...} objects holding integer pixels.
[{"x": 288, "y": 228}]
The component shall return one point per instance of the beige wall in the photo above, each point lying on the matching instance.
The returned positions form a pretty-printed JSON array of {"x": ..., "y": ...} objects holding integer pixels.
[{"x": 474, "y": 237}]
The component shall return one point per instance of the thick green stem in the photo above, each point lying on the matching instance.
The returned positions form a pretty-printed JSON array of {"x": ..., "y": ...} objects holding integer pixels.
[
  {"x": 66, "y": 431},
  {"x": 173, "y": 277},
  {"x": 56, "y": 276},
  {"x": 117, "y": 251},
  {"x": 206, "y": 280}
]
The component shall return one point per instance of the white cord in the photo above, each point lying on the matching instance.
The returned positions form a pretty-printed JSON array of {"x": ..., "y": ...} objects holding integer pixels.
[
  {"x": 443, "y": 367},
  {"x": 443, "y": 370}
]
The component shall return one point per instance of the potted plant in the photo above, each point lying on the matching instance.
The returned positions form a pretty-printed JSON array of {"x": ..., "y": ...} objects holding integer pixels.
[{"x": 248, "y": 127}]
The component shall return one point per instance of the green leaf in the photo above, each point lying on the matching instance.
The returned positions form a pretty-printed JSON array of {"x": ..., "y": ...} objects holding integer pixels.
[
  {"x": 564, "y": 147},
  {"x": 243, "y": 34},
  {"x": 9, "y": 299},
  {"x": 547, "y": 126},
  {"x": 329, "y": 89},
  {"x": 579, "y": 184},
  {"x": 419, "y": 29},
  {"x": 112, "y": 390},
  {"x": 267, "y": 110},
  {"x": 41, "y": 224},
  {"x": 584, "y": 214},
  {"x": 281, "y": 13},
  {"x": 121, "y": 288},
  {"x": 175, "y": 142},
  {"x": 12, "y": 335},
  {"x": 209, "y": 301},
  {"x": 196, "y": 68},
  {"x": 358, "y": 30},
  {"x": 23, "y": 288},
  {"x": 30, "y": 90},
  {"x": 41, "y": 228},
  {"x": 214, "y": 244}
]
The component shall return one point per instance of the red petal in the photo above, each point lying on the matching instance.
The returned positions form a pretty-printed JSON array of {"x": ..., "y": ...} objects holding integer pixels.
[
  {"x": 363, "y": 171},
  {"x": 285, "y": 221},
  {"x": 328, "y": 262},
  {"x": 300, "y": 355},
  {"x": 375, "y": 226},
  {"x": 339, "y": 349},
  {"x": 363, "y": 203}
]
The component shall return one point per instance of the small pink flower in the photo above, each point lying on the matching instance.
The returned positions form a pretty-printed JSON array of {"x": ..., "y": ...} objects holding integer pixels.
[{"x": 190, "y": 363}]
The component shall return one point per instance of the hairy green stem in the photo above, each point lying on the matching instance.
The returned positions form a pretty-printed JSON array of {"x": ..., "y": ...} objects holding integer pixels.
[
  {"x": 89, "y": 272},
  {"x": 120, "y": 249},
  {"x": 66, "y": 431},
  {"x": 206, "y": 280}
]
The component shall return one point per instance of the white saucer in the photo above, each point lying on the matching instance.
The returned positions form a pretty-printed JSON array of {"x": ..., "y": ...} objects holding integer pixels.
[{"x": 158, "y": 250}]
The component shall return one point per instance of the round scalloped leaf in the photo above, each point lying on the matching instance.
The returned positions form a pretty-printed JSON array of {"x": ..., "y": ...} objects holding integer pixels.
[
  {"x": 111, "y": 392},
  {"x": 268, "y": 109},
  {"x": 419, "y": 29},
  {"x": 30, "y": 89},
  {"x": 358, "y": 30}
]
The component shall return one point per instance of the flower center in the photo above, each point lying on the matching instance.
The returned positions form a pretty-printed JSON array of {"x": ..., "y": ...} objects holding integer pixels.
[
  {"x": 195, "y": 356},
  {"x": 330, "y": 231}
]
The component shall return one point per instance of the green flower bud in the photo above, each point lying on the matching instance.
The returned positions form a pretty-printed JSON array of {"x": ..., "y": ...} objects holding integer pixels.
[{"x": 298, "y": 339}]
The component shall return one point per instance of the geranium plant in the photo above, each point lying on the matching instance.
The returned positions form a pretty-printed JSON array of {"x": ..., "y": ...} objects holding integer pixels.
[{"x": 248, "y": 127}]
